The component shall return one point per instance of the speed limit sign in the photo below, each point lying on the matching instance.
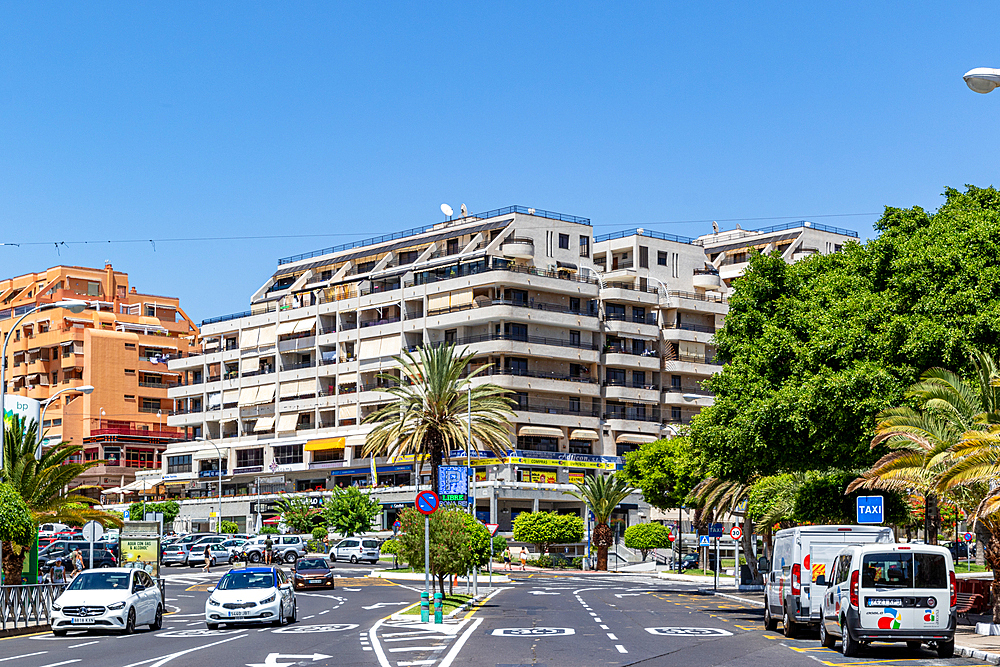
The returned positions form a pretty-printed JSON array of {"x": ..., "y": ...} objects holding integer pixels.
[{"x": 736, "y": 532}]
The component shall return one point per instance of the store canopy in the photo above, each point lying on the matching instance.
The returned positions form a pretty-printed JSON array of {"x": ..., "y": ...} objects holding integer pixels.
[
  {"x": 541, "y": 431},
  {"x": 635, "y": 438},
  {"x": 324, "y": 444},
  {"x": 583, "y": 434},
  {"x": 249, "y": 338},
  {"x": 267, "y": 336}
]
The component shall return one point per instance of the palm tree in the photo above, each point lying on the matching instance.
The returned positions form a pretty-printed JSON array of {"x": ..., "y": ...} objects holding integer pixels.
[
  {"x": 602, "y": 494},
  {"x": 431, "y": 414},
  {"x": 719, "y": 497},
  {"x": 43, "y": 484}
]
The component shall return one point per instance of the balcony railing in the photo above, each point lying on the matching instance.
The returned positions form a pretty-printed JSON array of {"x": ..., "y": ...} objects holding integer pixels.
[
  {"x": 692, "y": 359},
  {"x": 614, "y": 382},
  {"x": 619, "y": 349},
  {"x": 135, "y": 432},
  {"x": 633, "y": 415},
  {"x": 482, "y": 338},
  {"x": 375, "y": 323},
  {"x": 688, "y": 390},
  {"x": 631, "y": 286},
  {"x": 702, "y": 328},
  {"x": 697, "y": 297},
  {"x": 644, "y": 232},
  {"x": 153, "y": 411},
  {"x": 301, "y": 364},
  {"x": 502, "y": 265},
  {"x": 544, "y": 375},
  {"x": 557, "y": 410},
  {"x": 706, "y": 272},
  {"x": 535, "y": 305}
]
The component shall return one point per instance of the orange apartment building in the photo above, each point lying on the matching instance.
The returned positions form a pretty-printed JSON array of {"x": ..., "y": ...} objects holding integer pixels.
[{"x": 120, "y": 345}]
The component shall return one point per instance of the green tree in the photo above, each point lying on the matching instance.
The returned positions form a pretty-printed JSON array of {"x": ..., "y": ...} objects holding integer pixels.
[
  {"x": 647, "y": 536},
  {"x": 448, "y": 542},
  {"x": 825, "y": 499},
  {"x": 430, "y": 415},
  {"x": 391, "y": 547},
  {"x": 602, "y": 495},
  {"x": 229, "y": 527},
  {"x": 298, "y": 514},
  {"x": 268, "y": 530},
  {"x": 18, "y": 529},
  {"x": 813, "y": 351},
  {"x": 350, "y": 512},
  {"x": 478, "y": 542},
  {"x": 544, "y": 529},
  {"x": 44, "y": 485},
  {"x": 665, "y": 471},
  {"x": 169, "y": 508}
]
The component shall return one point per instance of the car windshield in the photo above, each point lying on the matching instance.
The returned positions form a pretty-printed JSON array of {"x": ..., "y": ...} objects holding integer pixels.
[
  {"x": 898, "y": 570},
  {"x": 311, "y": 564},
  {"x": 94, "y": 581},
  {"x": 239, "y": 580}
]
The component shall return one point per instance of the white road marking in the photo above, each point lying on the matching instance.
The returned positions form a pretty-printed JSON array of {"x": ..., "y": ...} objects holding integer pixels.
[
  {"x": 83, "y": 644},
  {"x": 612, "y": 637},
  {"x": 593, "y": 614},
  {"x": 453, "y": 653},
  {"x": 167, "y": 658},
  {"x": 306, "y": 618},
  {"x": 403, "y": 663},
  {"x": 598, "y": 620},
  {"x": 436, "y": 647},
  {"x": 411, "y": 633},
  {"x": 621, "y": 649},
  {"x": 64, "y": 662},
  {"x": 325, "y": 611},
  {"x": 406, "y": 639},
  {"x": 604, "y": 627},
  {"x": 26, "y": 655}
]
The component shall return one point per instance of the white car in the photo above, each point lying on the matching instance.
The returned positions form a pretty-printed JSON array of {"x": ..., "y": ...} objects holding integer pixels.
[
  {"x": 108, "y": 599},
  {"x": 251, "y": 595},
  {"x": 220, "y": 554}
]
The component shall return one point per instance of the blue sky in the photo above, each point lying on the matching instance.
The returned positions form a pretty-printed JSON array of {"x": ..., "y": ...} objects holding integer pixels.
[{"x": 178, "y": 120}]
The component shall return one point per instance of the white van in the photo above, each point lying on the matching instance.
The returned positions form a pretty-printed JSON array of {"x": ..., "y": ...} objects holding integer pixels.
[
  {"x": 800, "y": 557},
  {"x": 891, "y": 593}
]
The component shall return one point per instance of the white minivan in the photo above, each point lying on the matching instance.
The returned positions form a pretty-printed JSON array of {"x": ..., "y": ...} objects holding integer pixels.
[
  {"x": 800, "y": 557},
  {"x": 891, "y": 593}
]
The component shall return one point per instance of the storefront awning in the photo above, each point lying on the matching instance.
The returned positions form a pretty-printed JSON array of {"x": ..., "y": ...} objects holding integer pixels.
[
  {"x": 583, "y": 434},
  {"x": 541, "y": 431},
  {"x": 635, "y": 438},
  {"x": 325, "y": 444}
]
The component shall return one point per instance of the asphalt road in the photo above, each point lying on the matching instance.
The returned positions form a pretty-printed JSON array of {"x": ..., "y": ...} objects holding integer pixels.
[{"x": 539, "y": 619}]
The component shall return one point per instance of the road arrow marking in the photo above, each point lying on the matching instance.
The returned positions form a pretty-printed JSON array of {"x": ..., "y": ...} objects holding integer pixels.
[
  {"x": 543, "y": 593},
  {"x": 379, "y": 605},
  {"x": 272, "y": 659}
]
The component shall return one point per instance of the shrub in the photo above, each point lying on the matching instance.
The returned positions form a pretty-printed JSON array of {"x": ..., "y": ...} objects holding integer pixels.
[
  {"x": 578, "y": 562},
  {"x": 319, "y": 533},
  {"x": 229, "y": 527},
  {"x": 543, "y": 561},
  {"x": 268, "y": 530}
]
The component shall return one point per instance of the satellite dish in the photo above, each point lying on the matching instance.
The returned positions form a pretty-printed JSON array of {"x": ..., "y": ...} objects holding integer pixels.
[{"x": 447, "y": 210}]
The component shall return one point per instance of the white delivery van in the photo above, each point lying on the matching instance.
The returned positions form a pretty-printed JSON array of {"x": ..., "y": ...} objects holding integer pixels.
[
  {"x": 801, "y": 557},
  {"x": 891, "y": 593}
]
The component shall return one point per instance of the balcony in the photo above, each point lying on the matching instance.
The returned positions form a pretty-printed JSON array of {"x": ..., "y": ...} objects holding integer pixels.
[
  {"x": 521, "y": 248},
  {"x": 707, "y": 279},
  {"x": 539, "y": 340},
  {"x": 545, "y": 375},
  {"x": 533, "y": 305},
  {"x": 299, "y": 365},
  {"x": 700, "y": 328}
]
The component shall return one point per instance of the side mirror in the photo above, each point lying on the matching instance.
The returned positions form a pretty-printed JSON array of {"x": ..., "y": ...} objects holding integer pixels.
[
  {"x": 211, "y": 589},
  {"x": 821, "y": 580}
]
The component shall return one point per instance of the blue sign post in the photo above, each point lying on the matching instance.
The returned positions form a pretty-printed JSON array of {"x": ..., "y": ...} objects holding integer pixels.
[
  {"x": 871, "y": 509},
  {"x": 715, "y": 530},
  {"x": 704, "y": 541},
  {"x": 453, "y": 484}
]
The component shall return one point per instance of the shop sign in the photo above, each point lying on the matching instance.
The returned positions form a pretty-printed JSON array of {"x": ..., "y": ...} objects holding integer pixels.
[
  {"x": 396, "y": 506},
  {"x": 368, "y": 471},
  {"x": 244, "y": 471},
  {"x": 564, "y": 459},
  {"x": 208, "y": 473}
]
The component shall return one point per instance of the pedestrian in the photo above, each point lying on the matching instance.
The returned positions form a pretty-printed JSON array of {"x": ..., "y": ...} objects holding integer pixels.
[
  {"x": 58, "y": 572},
  {"x": 524, "y": 557},
  {"x": 268, "y": 550},
  {"x": 507, "y": 559},
  {"x": 208, "y": 559},
  {"x": 77, "y": 561}
]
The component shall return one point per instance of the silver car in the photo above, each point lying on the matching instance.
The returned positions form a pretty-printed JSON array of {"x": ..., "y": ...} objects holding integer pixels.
[
  {"x": 220, "y": 554},
  {"x": 355, "y": 549}
]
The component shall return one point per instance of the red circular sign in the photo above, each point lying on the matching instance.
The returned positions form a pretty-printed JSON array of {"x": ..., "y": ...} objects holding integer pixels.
[
  {"x": 671, "y": 537},
  {"x": 736, "y": 533},
  {"x": 427, "y": 502}
]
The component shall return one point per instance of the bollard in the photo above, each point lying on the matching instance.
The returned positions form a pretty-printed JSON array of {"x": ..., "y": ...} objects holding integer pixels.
[
  {"x": 425, "y": 614},
  {"x": 437, "y": 608}
]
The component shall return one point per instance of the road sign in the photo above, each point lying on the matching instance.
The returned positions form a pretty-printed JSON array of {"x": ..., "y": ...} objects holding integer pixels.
[
  {"x": 427, "y": 502},
  {"x": 704, "y": 541},
  {"x": 453, "y": 484},
  {"x": 671, "y": 537},
  {"x": 126, "y": 514},
  {"x": 736, "y": 532},
  {"x": 871, "y": 509},
  {"x": 92, "y": 531},
  {"x": 715, "y": 530},
  {"x": 493, "y": 528},
  {"x": 396, "y": 525},
  {"x": 967, "y": 537}
]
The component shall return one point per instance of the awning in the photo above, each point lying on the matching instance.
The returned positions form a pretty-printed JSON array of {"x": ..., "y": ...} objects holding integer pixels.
[
  {"x": 265, "y": 394},
  {"x": 305, "y": 325},
  {"x": 347, "y": 378},
  {"x": 324, "y": 444},
  {"x": 249, "y": 337},
  {"x": 263, "y": 424},
  {"x": 286, "y": 328},
  {"x": 230, "y": 396},
  {"x": 583, "y": 434},
  {"x": 347, "y": 412},
  {"x": 248, "y": 395},
  {"x": 635, "y": 438},
  {"x": 267, "y": 336},
  {"x": 288, "y": 389},
  {"x": 568, "y": 266},
  {"x": 159, "y": 372},
  {"x": 286, "y": 423},
  {"x": 356, "y": 440},
  {"x": 249, "y": 365},
  {"x": 541, "y": 431},
  {"x": 177, "y": 483},
  {"x": 206, "y": 454}
]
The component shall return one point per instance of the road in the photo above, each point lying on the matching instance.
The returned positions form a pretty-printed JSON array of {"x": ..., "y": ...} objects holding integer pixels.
[{"x": 539, "y": 619}]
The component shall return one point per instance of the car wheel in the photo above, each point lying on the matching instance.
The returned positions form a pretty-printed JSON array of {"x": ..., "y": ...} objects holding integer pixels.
[
  {"x": 59, "y": 633},
  {"x": 295, "y": 612},
  {"x": 333, "y": 558},
  {"x": 770, "y": 624},
  {"x": 848, "y": 645},
  {"x": 825, "y": 638},
  {"x": 354, "y": 559},
  {"x": 254, "y": 557},
  {"x": 291, "y": 557},
  {"x": 212, "y": 626},
  {"x": 130, "y": 621},
  {"x": 158, "y": 619},
  {"x": 788, "y": 626},
  {"x": 946, "y": 649},
  {"x": 281, "y": 616}
]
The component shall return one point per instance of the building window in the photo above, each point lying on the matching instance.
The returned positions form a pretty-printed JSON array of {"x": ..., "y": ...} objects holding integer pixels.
[
  {"x": 675, "y": 414},
  {"x": 574, "y": 404},
  {"x": 150, "y": 404},
  {"x": 93, "y": 289},
  {"x": 537, "y": 444},
  {"x": 643, "y": 257},
  {"x": 574, "y": 304},
  {"x": 614, "y": 311},
  {"x": 250, "y": 458},
  {"x": 518, "y": 297},
  {"x": 614, "y": 377},
  {"x": 129, "y": 346},
  {"x": 452, "y": 246},
  {"x": 574, "y": 338},
  {"x": 516, "y": 332},
  {"x": 579, "y": 446},
  {"x": 522, "y": 400},
  {"x": 179, "y": 463},
  {"x": 150, "y": 311},
  {"x": 129, "y": 397},
  {"x": 129, "y": 371},
  {"x": 516, "y": 366},
  {"x": 661, "y": 258},
  {"x": 638, "y": 315},
  {"x": 674, "y": 270},
  {"x": 564, "y": 241},
  {"x": 584, "y": 246},
  {"x": 287, "y": 454},
  {"x": 450, "y": 335},
  {"x": 55, "y": 377},
  {"x": 675, "y": 382},
  {"x": 328, "y": 455}
]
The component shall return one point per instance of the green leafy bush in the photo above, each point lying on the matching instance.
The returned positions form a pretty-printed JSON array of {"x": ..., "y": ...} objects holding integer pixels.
[
  {"x": 319, "y": 533},
  {"x": 229, "y": 527},
  {"x": 647, "y": 536},
  {"x": 544, "y": 529},
  {"x": 268, "y": 530}
]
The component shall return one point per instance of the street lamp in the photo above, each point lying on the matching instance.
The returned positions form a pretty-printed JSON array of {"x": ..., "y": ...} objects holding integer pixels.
[
  {"x": 84, "y": 389},
  {"x": 982, "y": 79},
  {"x": 218, "y": 519}
]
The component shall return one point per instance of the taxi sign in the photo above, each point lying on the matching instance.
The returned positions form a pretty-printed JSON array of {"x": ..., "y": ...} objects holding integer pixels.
[
  {"x": 736, "y": 532},
  {"x": 427, "y": 502}
]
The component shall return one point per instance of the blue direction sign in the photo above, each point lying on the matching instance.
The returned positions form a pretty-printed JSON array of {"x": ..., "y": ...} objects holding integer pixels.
[
  {"x": 704, "y": 541},
  {"x": 715, "y": 530},
  {"x": 427, "y": 502},
  {"x": 453, "y": 484},
  {"x": 871, "y": 509}
]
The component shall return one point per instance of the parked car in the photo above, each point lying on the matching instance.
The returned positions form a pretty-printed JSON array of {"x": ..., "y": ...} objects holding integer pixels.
[
  {"x": 959, "y": 549},
  {"x": 175, "y": 554},
  {"x": 51, "y": 529},
  {"x": 800, "y": 556},
  {"x": 104, "y": 556},
  {"x": 313, "y": 573},
  {"x": 287, "y": 548},
  {"x": 115, "y": 599},
  {"x": 355, "y": 549},
  {"x": 251, "y": 595},
  {"x": 220, "y": 554},
  {"x": 235, "y": 546},
  {"x": 890, "y": 593}
]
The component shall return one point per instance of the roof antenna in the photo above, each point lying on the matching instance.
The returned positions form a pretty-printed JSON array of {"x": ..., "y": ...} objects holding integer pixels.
[
  {"x": 715, "y": 227},
  {"x": 465, "y": 211},
  {"x": 447, "y": 210}
]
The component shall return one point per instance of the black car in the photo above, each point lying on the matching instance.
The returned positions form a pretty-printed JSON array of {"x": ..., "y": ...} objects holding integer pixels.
[
  {"x": 959, "y": 549},
  {"x": 103, "y": 557}
]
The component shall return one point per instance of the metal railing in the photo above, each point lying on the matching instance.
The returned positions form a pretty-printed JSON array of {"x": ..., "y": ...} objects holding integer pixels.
[
  {"x": 500, "y": 265},
  {"x": 551, "y": 307},
  {"x": 27, "y": 605},
  {"x": 482, "y": 338},
  {"x": 544, "y": 375},
  {"x": 645, "y": 232},
  {"x": 697, "y": 297},
  {"x": 702, "y": 328}
]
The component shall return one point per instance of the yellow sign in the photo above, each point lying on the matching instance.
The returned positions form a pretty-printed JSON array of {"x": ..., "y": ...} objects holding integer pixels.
[
  {"x": 543, "y": 477},
  {"x": 598, "y": 465},
  {"x": 576, "y": 477},
  {"x": 142, "y": 553},
  {"x": 818, "y": 570},
  {"x": 211, "y": 515}
]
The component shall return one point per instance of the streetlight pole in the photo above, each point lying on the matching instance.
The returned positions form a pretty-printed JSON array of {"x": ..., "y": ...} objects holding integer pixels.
[
  {"x": 218, "y": 519},
  {"x": 85, "y": 389}
]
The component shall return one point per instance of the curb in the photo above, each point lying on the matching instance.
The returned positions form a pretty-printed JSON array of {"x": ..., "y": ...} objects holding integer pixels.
[{"x": 964, "y": 651}]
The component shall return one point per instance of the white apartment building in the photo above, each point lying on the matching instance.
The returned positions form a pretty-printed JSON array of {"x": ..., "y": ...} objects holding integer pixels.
[{"x": 603, "y": 341}]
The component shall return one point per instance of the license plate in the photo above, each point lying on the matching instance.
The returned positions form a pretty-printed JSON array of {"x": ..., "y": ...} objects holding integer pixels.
[
  {"x": 239, "y": 613},
  {"x": 83, "y": 621},
  {"x": 883, "y": 602},
  {"x": 315, "y": 581}
]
